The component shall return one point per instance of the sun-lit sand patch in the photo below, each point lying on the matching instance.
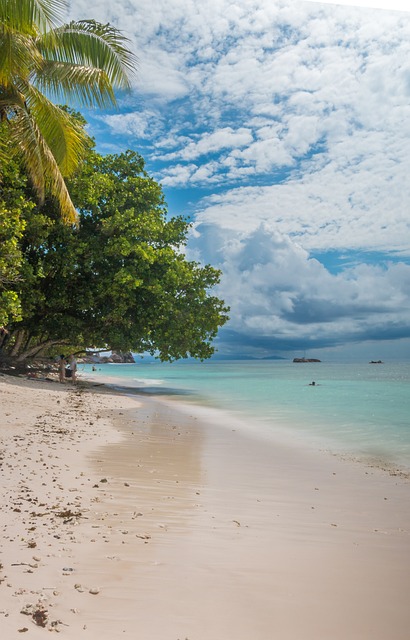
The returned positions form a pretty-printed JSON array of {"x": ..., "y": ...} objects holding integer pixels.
[{"x": 128, "y": 517}]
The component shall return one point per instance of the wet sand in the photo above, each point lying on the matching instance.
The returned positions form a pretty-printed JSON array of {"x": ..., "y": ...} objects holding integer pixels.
[{"x": 132, "y": 517}]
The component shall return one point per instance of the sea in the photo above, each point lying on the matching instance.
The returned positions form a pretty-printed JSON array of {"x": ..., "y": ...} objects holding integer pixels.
[{"x": 360, "y": 410}]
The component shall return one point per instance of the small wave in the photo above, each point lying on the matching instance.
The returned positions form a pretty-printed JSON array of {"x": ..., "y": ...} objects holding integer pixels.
[{"x": 151, "y": 382}]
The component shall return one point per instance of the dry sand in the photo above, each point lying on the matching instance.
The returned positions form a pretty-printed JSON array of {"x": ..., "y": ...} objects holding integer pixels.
[{"x": 126, "y": 517}]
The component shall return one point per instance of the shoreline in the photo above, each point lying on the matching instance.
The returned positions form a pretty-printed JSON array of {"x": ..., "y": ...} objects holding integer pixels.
[
  {"x": 257, "y": 429},
  {"x": 187, "y": 529}
]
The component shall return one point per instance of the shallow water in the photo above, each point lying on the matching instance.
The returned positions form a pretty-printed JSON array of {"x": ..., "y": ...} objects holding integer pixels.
[{"x": 359, "y": 409}]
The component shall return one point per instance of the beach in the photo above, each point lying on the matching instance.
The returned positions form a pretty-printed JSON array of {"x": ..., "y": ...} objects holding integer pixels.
[{"x": 136, "y": 517}]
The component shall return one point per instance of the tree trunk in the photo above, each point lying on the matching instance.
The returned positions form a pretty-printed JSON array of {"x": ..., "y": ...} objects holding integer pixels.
[
  {"x": 18, "y": 336},
  {"x": 35, "y": 351}
]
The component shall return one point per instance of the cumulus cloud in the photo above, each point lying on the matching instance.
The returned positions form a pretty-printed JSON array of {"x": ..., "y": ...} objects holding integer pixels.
[
  {"x": 292, "y": 121},
  {"x": 131, "y": 124},
  {"x": 281, "y": 298},
  {"x": 225, "y": 138},
  {"x": 358, "y": 200},
  {"x": 261, "y": 85}
]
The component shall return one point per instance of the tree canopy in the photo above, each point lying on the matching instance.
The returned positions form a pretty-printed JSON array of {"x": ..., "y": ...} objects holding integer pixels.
[
  {"x": 120, "y": 279},
  {"x": 43, "y": 60},
  {"x": 14, "y": 207}
]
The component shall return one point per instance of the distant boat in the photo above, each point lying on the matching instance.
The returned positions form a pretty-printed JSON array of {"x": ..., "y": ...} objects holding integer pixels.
[
  {"x": 376, "y": 362},
  {"x": 306, "y": 360}
]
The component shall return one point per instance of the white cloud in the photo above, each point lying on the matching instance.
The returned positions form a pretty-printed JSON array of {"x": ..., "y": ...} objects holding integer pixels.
[
  {"x": 357, "y": 197},
  {"x": 131, "y": 124},
  {"x": 277, "y": 291},
  {"x": 179, "y": 175},
  {"x": 161, "y": 76},
  {"x": 225, "y": 138},
  {"x": 294, "y": 119},
  {"x": 396, "y": 5}
]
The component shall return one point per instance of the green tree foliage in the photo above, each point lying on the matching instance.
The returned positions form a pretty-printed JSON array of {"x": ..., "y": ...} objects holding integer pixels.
[
  {"x": 14, "y": 207},
  {"x": 43, "y": 60},
  {"x": 120, "y": 279}
]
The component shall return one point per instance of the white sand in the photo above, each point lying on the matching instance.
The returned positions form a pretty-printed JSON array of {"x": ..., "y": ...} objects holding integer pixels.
[{"x": 200, "y": 532}]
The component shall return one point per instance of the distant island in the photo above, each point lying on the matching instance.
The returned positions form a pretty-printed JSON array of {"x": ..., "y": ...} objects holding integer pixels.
[
  {"x": 240, "y": 356},
  {"x": 306, "y": 360}
]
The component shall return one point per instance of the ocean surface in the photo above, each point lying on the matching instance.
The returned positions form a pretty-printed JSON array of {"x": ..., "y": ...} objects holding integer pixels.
[{"x": 360, "y": 410}]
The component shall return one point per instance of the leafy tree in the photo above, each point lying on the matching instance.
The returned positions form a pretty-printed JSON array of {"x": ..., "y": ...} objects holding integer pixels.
[
  {"x": 14, "y": 206},
  {"x": 40, "y": 60},
  {"x": 121, "y": 278}
]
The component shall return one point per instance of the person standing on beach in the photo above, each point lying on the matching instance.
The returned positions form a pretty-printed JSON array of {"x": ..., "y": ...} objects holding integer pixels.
[
  {"x": 61, "y": 369},
  {"x": 73, "y": 367}
]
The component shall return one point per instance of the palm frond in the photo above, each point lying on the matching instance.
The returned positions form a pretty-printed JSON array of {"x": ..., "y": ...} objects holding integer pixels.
[
  {"x": 40, "y": 164},
  {"x": 65, "y": 139},
  {"x": 57, "y": 187},
  {"x": 84, "y": 60},
  {"x": 86, "y": 85},
  {"x": 18, "y": 55},
  {"x": 23, "y": 135},
  {"x": 32, "y": 16},
  {"x": 116, "y": 41},
  {"x": 89, "y": 43}
]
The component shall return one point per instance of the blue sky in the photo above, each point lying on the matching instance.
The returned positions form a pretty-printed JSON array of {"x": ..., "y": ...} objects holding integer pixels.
[{"x": 281, "y": 129}]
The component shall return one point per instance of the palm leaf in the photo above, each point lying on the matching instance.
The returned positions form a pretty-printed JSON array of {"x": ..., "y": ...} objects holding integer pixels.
[
  {"x": 31, "y": 16},
  {"x": 83, "y": 60},
  {"x": 88, "y": 43},
  {"x": 57, "y": 187},
  {"x": 64, "y": 137},
  {"x": 18, "y": 55},
  {"x": 40, "y": 163},
  {"x": 23, "y": 135},
  {"x": 86, "y": 85}
]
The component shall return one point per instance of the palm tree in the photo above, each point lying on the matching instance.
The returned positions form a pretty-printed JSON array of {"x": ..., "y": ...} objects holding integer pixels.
[{"x": 41, "y": 61}]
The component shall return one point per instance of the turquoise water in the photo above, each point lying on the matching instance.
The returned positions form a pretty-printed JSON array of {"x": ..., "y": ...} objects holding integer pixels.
[{"x": 360, "y": 409}]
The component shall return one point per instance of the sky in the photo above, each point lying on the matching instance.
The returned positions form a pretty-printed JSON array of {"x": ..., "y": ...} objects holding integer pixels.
[{"x": 280, "y": 129}]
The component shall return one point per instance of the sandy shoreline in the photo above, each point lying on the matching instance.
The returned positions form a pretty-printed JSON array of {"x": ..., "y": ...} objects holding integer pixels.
[{"x": 125, "y": 517}]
